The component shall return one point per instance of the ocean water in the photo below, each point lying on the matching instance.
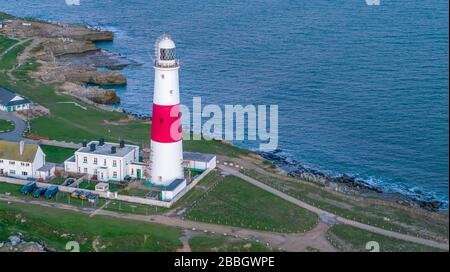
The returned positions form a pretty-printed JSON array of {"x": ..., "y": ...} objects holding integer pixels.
[{"x": 361, "y": 89}]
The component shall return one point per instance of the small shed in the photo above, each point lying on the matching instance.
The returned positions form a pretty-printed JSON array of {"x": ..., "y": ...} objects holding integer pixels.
[
  {"x": 46, "y": 171},
  {"x": 199, "y": 161},
  {"x": 102, "y": 187}
]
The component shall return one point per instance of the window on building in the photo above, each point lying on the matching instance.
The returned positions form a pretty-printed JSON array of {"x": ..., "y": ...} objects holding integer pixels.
[
  {"x": 24, "y": 173},
  {"x": 85, "y": 159},
  {"x": 95, "y": 160},
  {"x": 85, "y": 170},
  {"x": 22, "y": 163},
  {"x": 12, "y": 172},
  {"x": 104, "y": 162},
  {"x": 1, "y": 161},
  {"x": 12, "y": 162},
  {"x": 114, "y": 163},
  {"x": 114, "y": 174},
  {"x": 28, "y": 164}
]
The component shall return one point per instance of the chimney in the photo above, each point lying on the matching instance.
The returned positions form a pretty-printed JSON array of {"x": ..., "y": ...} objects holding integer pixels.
[
  {"x": 21, "y": 147},
  {"x": 122, "y": 143},
  {"x": 113, "y": 150},
  {"x": 92, "y": 146},
  {"x": 84, "y": 143},
  {"x": 101, "y": 141}
]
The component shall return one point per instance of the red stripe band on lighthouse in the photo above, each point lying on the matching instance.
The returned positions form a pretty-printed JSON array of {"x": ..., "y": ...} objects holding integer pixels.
[{"x": 166, "y": 124}]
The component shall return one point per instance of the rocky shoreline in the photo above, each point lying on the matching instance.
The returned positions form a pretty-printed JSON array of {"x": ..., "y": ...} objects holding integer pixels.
[
  {"x": 350, "y": 185},
  {"x": 68, "y": 54}
]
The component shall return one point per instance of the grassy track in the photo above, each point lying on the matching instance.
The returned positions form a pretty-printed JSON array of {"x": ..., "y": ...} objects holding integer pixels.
[
  {"x": 347, "y": 238},
  {"x": 234, "y": 202},
  {"x": 57, "y": 227},
  {"x": 6, "y": 125},
  {"x": 222, "y": 244}
]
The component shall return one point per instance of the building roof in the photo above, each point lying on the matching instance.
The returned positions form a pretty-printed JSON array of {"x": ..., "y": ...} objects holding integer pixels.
[
  {"x": 106, "y": 149},
  {"x": 173, "y": 185},
  {"x": 10, "y": 151},
  {"x": 47, "y": 167},
  {"x": 199, "y": 157},
  {"x": 6, "y": 97}
]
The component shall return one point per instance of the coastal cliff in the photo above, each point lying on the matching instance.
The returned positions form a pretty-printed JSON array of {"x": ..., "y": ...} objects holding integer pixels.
[{"x": 68, "y": 54}]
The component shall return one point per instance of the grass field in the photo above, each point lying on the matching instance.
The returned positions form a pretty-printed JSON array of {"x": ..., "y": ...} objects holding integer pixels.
[
  {"x": 6, "y": 125},
  {"x": 348, "y": 238},
  {"x": 57, "y": 154},
  {"x": 57, "y": 227},
  {"x": 216, "y": 243},
  {"x": 6, "y": 43},
  {"x": 365, "y": 210},
  {"x": 236, "y": 203},
  {"x": 9, "y": 59}
]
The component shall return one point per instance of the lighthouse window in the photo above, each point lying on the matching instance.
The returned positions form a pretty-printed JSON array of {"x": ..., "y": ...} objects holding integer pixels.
[{"x": 167, "y": 53}]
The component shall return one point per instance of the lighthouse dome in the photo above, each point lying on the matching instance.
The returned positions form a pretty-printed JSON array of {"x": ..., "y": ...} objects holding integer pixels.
[
  {"x": 166, "y": 42},
  {"x": 165, "y": 52}
]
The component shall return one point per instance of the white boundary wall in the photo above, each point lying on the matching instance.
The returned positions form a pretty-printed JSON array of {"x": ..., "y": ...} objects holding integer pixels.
[{"x": 132, "y": 199}]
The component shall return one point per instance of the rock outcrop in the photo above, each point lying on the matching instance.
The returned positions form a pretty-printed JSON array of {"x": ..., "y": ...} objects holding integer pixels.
[{"x": 96, "y": 95}]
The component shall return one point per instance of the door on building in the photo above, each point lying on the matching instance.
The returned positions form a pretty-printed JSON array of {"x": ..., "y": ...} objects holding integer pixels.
[{"x": 138, "y": 173}]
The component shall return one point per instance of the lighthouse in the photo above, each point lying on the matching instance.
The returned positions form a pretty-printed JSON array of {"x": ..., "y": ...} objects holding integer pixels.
[{"x": 166, "y": 155}]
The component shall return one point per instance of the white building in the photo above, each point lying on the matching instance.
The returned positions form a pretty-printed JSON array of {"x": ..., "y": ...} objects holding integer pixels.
[
  {"x": 199, "y": 161},
  {"x": 10, "y": 101},
  {"x": 23, "y": 160},
  {"x": 106, "y": 161}
]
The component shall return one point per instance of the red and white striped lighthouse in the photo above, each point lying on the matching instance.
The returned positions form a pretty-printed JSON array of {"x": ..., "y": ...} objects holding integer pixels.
[{"x": 166, "y": 137}]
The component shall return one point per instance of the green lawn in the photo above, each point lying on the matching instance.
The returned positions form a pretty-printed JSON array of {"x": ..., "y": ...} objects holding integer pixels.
[
  {"x": 6, "y": 43},
  {"x": 9, "y": 59},
  {"x": 234, "y": 202},
  {"x": 365, "y": 210},
  {"x": 210, "y": 243},
  {"x": 57, "y": 227},
  {"x": 6, "y": 125},
  {"x": 57, "y": 154},
  {"x": 348, "y": 238},
  {"x": 87, "y": 185}
]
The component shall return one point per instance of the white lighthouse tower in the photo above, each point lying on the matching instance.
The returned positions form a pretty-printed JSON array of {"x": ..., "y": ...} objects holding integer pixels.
[{"x": 166, "y": 155}]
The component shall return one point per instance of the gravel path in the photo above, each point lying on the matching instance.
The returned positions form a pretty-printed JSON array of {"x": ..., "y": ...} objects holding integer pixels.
[{"x": 342, "y": 220}]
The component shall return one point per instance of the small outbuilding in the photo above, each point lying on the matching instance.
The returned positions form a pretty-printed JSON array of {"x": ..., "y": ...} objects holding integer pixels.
[
  {"x": 9, "y": 101},
  {"x": 102, "y": 187},
  {"x": 199, "y": 161}
]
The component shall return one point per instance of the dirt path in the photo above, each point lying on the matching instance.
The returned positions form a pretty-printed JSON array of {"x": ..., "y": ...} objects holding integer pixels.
[
  {"x": 284, "y": 241},
  {"x": 342, "y": 220}
]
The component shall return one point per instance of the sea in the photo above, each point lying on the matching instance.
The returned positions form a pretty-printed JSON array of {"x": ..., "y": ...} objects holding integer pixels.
[{"x": 361, "y": 89}]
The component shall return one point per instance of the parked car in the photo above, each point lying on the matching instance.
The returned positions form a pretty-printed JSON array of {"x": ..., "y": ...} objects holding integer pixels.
[
  {"x": 75, "y": 194},
  {"x": 70, "y": 182},
  {"x": 51, "y": 191},
  {"x": 92, "y": 198},
  {"x": 28, "y": 188},
  {"x": 39, "y": 191}
]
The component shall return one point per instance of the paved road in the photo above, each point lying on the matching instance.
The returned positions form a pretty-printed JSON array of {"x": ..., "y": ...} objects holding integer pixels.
[
  {"x": 20, "y": 126},
  {"x": 318, "y": 211},
  {"x": 290, "y": 242}
]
